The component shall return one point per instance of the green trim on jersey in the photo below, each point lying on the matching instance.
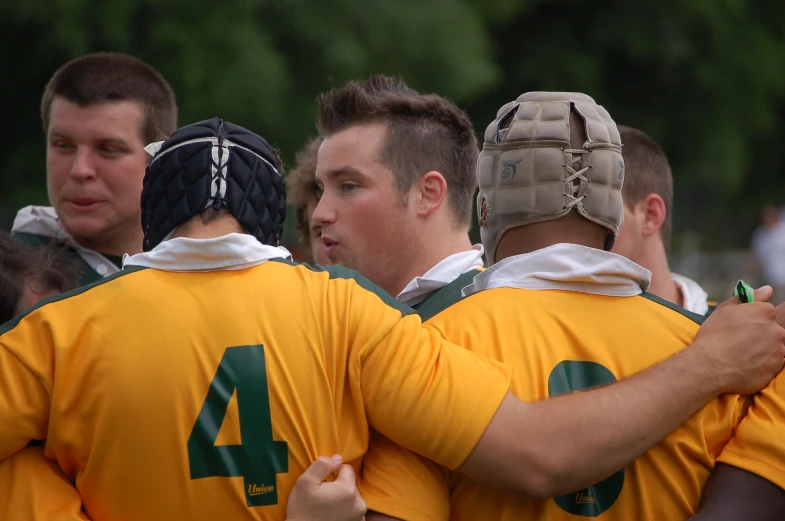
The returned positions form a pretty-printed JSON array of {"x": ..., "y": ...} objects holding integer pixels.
[
  {"x": 339, "y": 272},
  {"x": 698, "y": 319},
  {"x": 8, "y": 326},
  {"x": 87, "y": 274},
  {"x": 444, "y": 297}
]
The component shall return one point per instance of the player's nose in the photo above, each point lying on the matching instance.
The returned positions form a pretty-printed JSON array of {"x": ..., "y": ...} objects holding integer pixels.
[
  {"x": 324, "y": 213},
  {"x": 83, "y": 168}
]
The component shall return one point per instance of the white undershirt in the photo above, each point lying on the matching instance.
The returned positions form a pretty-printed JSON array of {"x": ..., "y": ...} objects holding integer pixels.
[
  {"x": 566, "y": 267},
  {"x": 234, "y": 251},
  {"x": 441, "y": 274},
  {"x": 693, "y": 296}
]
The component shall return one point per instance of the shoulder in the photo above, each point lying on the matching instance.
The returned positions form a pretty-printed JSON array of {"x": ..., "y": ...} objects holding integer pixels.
[
  {"x": 445, "y": 297},
  {"x": 67, "y": 296},
  {"x": 694, "y": 317},
  {"x": 338, "y": 276}
]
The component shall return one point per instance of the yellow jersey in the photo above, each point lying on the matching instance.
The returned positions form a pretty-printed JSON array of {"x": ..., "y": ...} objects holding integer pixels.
[
  {"x": 558, "y": 342},
  {"x": 758, "y": 445},
  {"x": 33, "y": 488},
  {"x": 203, "y": 395}
]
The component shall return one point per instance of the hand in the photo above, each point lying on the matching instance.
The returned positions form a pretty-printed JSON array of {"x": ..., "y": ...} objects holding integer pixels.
[
  {"x": 314, "y": 499},
  {"x": 781, "y": 314},
  {"x": 743, "y": 344}
]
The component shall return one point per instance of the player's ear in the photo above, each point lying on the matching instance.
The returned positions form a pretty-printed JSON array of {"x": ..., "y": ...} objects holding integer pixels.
[
  {"x": 431, "y": 193},
  {"x": 653, "y": 208}
]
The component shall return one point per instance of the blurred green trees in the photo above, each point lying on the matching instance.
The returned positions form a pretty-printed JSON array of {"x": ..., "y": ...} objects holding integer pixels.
[{"x": 706, "y": 78}]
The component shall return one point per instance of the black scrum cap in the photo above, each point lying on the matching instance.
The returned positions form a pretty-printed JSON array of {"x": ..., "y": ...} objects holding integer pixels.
[{"x": 214, "y": 164}]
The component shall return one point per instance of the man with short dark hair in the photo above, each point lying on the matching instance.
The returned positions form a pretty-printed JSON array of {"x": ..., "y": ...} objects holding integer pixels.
[
  {"x": 301, "y": 191},
  {"x": 396, "y": 181},
  {"x": 645, "y": 236},
  {"x": 99, "y": 111}
]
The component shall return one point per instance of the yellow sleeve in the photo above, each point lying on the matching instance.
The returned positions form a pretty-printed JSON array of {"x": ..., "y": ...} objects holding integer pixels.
[
  {"x": 424, "y": 393},
  {"x": 26, "y": 368},
  {"x": 401, "y": 484},
  {"x": 428, "y": 395},
  {"x": 33, "y": 487},
  {"x": 758, "y": 444}
]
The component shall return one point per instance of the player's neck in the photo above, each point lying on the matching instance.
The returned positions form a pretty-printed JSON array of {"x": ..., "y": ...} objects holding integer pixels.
[
  {"x": 129, "y": 242},
  {"x": 426, "y": 252},
  {"x": 655, "y": 260},
  {"x": 571, "y": 229},
  {"x": 218, "y": 227}
]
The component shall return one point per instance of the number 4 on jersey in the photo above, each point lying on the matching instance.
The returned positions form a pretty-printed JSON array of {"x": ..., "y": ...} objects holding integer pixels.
[{"x": 259, "y": 458}]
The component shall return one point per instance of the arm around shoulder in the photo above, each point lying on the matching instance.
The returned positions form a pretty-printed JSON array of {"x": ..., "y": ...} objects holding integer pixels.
[{"x": 563, "y": 444}]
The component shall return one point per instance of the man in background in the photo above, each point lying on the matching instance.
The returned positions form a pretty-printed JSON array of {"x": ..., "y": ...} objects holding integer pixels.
[
  {"x": 645, "y": 236},
  {"x": 301, "y": 191},
  {"x": 768, "y": 246},
  {"x": 99, "y": 111}
]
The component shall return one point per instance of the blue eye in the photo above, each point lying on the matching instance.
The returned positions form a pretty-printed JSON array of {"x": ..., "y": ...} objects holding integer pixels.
[{"x": 348, "y": 187}]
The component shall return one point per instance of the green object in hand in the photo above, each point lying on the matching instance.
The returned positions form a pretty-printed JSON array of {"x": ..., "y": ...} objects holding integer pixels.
[{"x": 744, "y": 291}]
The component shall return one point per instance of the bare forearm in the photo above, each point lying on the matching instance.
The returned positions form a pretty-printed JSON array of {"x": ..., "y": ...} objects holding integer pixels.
[
  {"x": 561, "y": 445},
  {"x": 591, "y": 435}
]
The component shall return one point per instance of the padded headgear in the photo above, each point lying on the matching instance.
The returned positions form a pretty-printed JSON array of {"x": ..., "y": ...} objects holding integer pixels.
[
  {"x": 213, "y": 164},
  {"x": 528, "y": 172}
]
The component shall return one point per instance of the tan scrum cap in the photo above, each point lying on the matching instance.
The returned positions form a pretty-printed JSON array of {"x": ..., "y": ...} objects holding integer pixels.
[{"x": 529, "y": 172}]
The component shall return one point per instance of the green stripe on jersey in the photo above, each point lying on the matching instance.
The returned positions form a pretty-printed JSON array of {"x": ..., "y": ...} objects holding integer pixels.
[
  {"x": 444, "y": 297},
  {"x": 698, "y": 319},
  {"x": 339, "y": 272}
]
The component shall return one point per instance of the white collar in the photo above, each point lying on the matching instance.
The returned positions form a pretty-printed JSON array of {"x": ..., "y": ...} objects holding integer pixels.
[
  {"x": 444, "y": 272},
  {"x": 43, "y": 221},
  {"x": 233, "y": 251},
  {"x": 567, "y": 267},
  {"x": 693, "y": 296}
]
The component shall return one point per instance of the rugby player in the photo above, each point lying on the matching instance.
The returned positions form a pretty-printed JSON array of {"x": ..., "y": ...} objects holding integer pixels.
[
  {"x": 31, "y": 486},
  {"x": 645, "y": 235},
  {"x": 202, "y": 379},
  {"x": 34, "y": 488},
  {"x": 98, "y": 112}
]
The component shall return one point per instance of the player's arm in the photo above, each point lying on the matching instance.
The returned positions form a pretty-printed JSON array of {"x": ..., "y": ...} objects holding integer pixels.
[
  {"x": 26, "y": 375},
  {"x": 732, "y": 494},
  {"x": 573, "y": 441},
  {"x": 437, "y": 400},
  {"x": 315, "y": 499},
  {"x": 750, "y": 475},
  {"x": 34, "y": 487},
  {"x": 398, "y": 483}
]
